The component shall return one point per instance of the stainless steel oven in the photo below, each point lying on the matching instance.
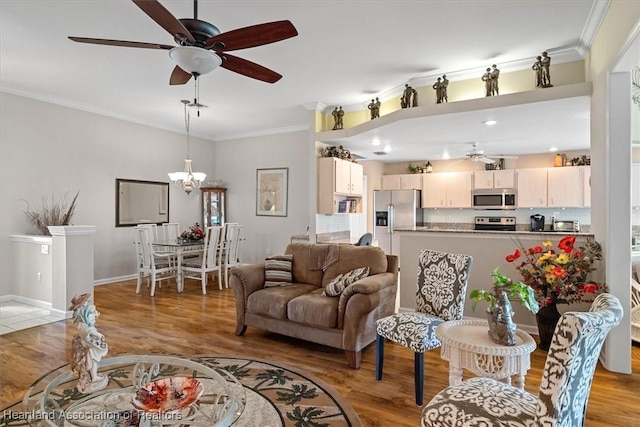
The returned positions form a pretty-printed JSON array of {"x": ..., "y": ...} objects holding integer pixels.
[{"x": 494, "y": 199}]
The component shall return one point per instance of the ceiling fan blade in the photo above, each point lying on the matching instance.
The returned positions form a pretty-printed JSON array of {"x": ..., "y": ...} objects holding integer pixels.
[
  {"x": 252, "y": 36},
  {"x": 179, "y": 76},
  {"x": 164, "y": 18},
  {"x": 485, "y": 160},
  {"x": 500, "y": 156},
  {"x": 123, "y": 43},
  {"x": 249, "y": 69}
]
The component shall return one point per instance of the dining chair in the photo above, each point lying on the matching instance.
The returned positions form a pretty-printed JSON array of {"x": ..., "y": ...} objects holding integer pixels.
[
  {"x": 230, "y": 253},
  {"x": 564, "y": 388},
  {"x": 440, "y": 294},
  {"x": 365, "y": 240},
  {"x": 209, "y": 260},
  {"x": 171, "y": 231},
  {"x": 158, "y": 265},
  {"x": 153, "y": 228}
]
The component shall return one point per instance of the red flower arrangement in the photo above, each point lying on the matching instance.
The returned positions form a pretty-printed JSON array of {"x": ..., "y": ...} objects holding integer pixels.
[
  {"x": 193, "y": 233},
  {"x": 559, "y": 277}
]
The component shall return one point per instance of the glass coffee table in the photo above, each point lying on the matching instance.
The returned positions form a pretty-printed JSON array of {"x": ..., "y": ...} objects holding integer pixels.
[{"x": 54, "y": 401}]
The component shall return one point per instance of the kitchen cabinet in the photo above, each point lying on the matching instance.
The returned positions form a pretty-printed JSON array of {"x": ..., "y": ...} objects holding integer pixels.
[
  {"x": 446, "y": 190},
  {"x": 558, "y": 187},
  {"x": 532, "y": 188},
  {"x": 635, "y": 184},
  {"x": 586, "y": 186},
  {"x": 402, "y": 182},
  {"x": 565, "y": 187},
  {"x": 494, "y": 179},
  {"x": 340, "y": 186}
]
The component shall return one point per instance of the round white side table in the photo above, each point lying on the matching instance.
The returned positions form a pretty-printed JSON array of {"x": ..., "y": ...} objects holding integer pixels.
[{"x": 466, "y": 345}]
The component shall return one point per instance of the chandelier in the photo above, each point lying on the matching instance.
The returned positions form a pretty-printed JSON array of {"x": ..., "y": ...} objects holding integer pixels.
[{"x": 188, "y": 179}]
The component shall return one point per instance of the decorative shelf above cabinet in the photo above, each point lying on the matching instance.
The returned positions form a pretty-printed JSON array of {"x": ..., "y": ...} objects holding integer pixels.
[{"x": 340, "y": 186}]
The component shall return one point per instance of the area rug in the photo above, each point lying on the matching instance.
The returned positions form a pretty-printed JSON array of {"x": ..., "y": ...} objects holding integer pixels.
[{"x": 276, "y": 396}]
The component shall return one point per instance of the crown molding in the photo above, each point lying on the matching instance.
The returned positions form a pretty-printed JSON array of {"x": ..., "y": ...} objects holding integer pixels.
[{"x": 598, "y": 11}]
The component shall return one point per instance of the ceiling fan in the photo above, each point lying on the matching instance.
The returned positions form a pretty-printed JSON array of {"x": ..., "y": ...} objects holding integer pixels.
[
  {"x": 476, "y": 155},
  {"x": 201, "y": 45}
]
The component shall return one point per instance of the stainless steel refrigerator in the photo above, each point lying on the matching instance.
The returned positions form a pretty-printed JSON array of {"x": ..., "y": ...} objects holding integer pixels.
[{"x": 395, "y": 209}]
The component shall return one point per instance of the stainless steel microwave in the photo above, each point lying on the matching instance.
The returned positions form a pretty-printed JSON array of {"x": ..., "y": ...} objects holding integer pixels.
[{"x": 494, "y": 199}]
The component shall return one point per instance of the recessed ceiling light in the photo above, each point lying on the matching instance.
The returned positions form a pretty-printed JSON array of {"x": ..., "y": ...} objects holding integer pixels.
[
  {"x": 445, "y": 156},
  {"x": 387, "y": 148},
  {"x": 375, "y": 142},
  {"x": 553, "y": 149},
  {"x": 490, "y": 122}
]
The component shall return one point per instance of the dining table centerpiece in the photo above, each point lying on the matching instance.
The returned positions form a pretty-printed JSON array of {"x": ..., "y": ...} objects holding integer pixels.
[
  {"x": 193, "y": 234},
  {"x": 558, "y": 276},
  {"x": 502, "y": 329}
]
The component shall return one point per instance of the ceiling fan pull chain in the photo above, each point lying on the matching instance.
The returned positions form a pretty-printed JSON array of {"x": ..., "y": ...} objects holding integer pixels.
[{"x": 195, "y": 9}]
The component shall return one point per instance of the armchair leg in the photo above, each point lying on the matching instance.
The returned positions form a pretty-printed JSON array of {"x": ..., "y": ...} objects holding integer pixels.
[
  {"x": 419, "y": 367},
  {"x": 379, "y": 356},
  {"x": 240, "y": 329},
  {"x": 354, "y": 358}
]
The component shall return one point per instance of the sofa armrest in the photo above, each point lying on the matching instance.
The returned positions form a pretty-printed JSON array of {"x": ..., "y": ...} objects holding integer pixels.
[
  {"x": 245, "y": 280},
  {"x": 370, "y": 287}
]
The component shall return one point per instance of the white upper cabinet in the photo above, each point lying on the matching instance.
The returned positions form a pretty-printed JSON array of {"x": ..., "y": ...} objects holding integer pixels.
[
  {"x": 494, "y": 179},
  {"x": 565, "y": 187},
  {"x": 532, "y": 188},
  {"x": 348, "y": 177},
  {"x": 338, "y": 180},
  {"x": 586, "y": 186},
  {"x": 402, "y": 182},
  {"x": 446, "y": 190},
  {"x": 558, "y": 187}
]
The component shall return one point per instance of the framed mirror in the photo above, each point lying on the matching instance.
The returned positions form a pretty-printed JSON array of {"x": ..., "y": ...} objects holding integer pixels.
[{"x": 139, "y": 202}]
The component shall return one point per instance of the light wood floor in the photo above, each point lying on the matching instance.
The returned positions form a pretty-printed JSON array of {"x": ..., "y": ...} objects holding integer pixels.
[{"x": 190, "y": 323}]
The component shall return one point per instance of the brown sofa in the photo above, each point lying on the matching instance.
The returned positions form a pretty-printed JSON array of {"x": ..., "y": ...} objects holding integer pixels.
[{"x": 300, "y": 310}]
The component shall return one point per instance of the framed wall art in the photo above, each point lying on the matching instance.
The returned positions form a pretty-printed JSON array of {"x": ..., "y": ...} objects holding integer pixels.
[{"x": 272, "y": 191}]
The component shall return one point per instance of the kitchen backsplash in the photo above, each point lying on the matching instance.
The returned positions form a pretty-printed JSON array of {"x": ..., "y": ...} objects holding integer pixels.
[{"x": 467, "y": 216}]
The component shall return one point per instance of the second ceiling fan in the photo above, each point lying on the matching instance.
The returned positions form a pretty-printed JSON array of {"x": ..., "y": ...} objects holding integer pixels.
[{"x": 201, "y": 45}]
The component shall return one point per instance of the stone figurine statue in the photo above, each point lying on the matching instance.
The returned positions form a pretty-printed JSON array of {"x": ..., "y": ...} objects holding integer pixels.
[
  {"x": 545, "y": 62},
  {"x": 409, "y": 97},
  {"x": 541, "y": 67},
  {"x": 88, "y": 347},
  {"x": 502, "y": 329}
]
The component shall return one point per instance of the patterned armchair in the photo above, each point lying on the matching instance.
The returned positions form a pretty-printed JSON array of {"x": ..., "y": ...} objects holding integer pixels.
[
  {"x": 564, "y": 389},
  {"x": 441, "y": 288}
]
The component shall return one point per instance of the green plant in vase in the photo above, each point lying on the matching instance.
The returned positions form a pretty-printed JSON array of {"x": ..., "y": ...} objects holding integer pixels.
[{"x": 499, "y": 313}]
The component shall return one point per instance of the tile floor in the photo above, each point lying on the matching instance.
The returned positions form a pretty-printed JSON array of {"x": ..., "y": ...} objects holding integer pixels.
[{"x": 15, "y": 316}]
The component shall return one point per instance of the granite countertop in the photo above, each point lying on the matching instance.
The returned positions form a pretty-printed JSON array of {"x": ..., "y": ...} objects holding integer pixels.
[{"x": 438, "y": 229}]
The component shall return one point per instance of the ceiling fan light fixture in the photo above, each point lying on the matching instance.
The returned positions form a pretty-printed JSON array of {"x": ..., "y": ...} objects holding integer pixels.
[{"x": 195, "y": 60}]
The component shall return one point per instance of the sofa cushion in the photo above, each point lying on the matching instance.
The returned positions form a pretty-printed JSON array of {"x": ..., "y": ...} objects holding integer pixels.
[
  {"x": 314, "y": 309},
  {"x": 352, "y": 257},
  {"x": 341, "y": 281},
  {"x": 277, "y": 270},
  {"x": 301, "y": 268},
  {"x": 272, "y": 302}
]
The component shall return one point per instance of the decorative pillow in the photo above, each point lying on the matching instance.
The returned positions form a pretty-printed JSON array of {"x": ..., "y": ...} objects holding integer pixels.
[
  {"x": 340, "y": 282},
  {"x": 277, "y": 271}
]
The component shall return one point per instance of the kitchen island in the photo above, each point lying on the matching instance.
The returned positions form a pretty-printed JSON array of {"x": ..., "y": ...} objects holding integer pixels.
[{"x": 488, "y": 249}]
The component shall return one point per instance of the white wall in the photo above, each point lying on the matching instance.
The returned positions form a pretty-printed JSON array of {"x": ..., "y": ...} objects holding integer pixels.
[
  {"x": 47, "y": 149},
  {"x": 236, "y": 162},
  {"x": 610, "y": 157}
]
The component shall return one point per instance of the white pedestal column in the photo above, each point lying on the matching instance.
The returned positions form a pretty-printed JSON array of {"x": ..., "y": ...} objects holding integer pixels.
[{"x": 72, "y": 259}]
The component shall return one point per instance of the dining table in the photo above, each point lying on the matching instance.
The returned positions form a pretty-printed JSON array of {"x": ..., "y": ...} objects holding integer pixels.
[{"x": 181, "y": 248}]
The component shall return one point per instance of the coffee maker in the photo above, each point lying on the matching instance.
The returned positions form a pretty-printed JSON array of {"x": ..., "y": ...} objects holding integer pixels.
[{"x": 537, "y": 222}]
